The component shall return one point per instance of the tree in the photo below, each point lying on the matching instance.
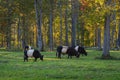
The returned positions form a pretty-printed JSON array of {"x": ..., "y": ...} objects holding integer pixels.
[
  {"x": 38, "y": 8},
  {"x": 76, "y": 17},
  {"x": 113, "y": 21},
  {"x": 74, "y": 4},
  {"x": 106, "y": 45},
  {"x": 60, "y": 11},
  {"x": 51, "y": 26},
  {"x": 66, "y": 23},
  {"x": 99, "y": 38},
  {"x": 9, "y": 22},
  {"x": 118, "y": 40}
]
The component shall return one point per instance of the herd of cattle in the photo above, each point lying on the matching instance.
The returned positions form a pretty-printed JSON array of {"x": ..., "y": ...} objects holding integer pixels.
[{"x": 61, "y": 50}]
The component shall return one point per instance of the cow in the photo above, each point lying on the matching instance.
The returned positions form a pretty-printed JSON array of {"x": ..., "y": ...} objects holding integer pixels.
[
  {"x": 80, "y": 50},
  {"x": 70, "y": 51},
  {"x": 29, "y": 52}
]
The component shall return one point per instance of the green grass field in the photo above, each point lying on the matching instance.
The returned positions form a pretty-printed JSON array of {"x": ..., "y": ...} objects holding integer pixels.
[{"x": 88, "y": 67}]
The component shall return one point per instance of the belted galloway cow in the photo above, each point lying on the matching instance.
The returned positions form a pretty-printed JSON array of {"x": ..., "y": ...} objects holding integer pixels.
[
  {"x": 28, "y": 52},
  {"x": 65, "y": 50}
]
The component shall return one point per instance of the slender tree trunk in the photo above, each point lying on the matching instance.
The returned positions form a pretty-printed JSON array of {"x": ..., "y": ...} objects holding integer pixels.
[
  {"x": 19, "y": 33},
  {"x": 112, "y": 43},
  {"x": 60, "y": 11},
  {"x": 99, "y": 38},
  {"x": 113, "y": 38},
  {"x": 39, "y": 23},
  {"x": 51, "y": 26},
  {"x": 106, "y": 46},
  {"x": 9, "y": 22},
  {"x": 82, "y": 33},
  {"x": 74, "y": 21},
  {"x": 95, "y": 37},
  {"x": 24, "y": 35},
  {"x": 66, "y": 24},
  {"x": 45, "y": 33},
  {"x": 118, "y": 40}
]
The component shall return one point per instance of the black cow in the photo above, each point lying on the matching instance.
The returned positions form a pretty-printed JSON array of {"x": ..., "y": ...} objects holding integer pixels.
[
  {"x": 32, "y": 53},
  {"x": 70, "y": 51},
  {"x": 81, "y": 50}
]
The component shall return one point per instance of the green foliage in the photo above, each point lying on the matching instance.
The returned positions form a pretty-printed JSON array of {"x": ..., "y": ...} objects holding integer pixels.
[
  {"x": 91, "y": 14},
  {"x": 12, "y": 67}
]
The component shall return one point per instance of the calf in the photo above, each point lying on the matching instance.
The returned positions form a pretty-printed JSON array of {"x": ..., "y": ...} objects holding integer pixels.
[{"x": 32, "y": 53}]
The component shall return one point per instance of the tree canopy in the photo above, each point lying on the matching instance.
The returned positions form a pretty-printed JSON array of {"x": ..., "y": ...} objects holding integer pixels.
[{"x": 18, "y": 25}]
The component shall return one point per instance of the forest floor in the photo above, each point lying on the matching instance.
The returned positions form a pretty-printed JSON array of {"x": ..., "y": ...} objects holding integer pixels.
[{"x": 12, "y": 67}]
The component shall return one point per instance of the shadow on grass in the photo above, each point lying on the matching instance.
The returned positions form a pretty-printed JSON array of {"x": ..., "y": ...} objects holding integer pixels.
[
  {"x": 107, "y": 58},
  {"x": 3, "y": 61}
]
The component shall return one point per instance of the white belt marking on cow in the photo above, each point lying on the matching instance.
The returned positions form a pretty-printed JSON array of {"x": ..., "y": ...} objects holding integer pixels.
[
  {"x": 64, "y": 49},
  {"x": 76, "y": 48},
  {"x": 30, "y": 53}
]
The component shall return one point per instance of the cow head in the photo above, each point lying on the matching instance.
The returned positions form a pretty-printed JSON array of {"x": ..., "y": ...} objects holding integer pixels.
[
  {"x": 85, "y": 53},
  {"x": 78, "y": 55},
  {"x": 41, "y": 57},
  {"x": 81, "y": 50}
]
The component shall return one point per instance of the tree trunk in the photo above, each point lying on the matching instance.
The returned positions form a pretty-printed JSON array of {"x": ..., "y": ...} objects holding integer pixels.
[
  {"x": 82, "y": 34},
  {"x": 51, "y": 26},
  {"x": 9, "y": 22},
  {"x": 39, "y": 23},
  {"x": 95, "y": 36},
  {"x": 112, "y": 43},
  {"x": 118, "y": 40},
  {"x": 99, "y": 38},
  {"x": 74, "y": 21},
  {"x": 18, "y": 33},
  {"x": 24, "y": 35},
  {"x": 60, "y": 7},
  {"x": 106, "y": 45},
  {"x": 66, "y": 24},
  {"x": 113, "y": 19}
]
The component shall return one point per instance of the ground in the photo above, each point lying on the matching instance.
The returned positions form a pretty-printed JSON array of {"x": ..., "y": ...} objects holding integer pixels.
[{"x": 12, "y": 67}]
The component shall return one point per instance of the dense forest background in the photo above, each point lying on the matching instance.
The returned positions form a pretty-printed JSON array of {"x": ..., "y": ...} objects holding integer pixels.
[{"x": 49, "y": 23}]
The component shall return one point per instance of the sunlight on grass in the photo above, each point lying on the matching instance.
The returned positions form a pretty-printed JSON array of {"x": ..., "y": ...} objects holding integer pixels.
[
  {"x": 51, "y": 59},
  {"x": 13, "y": 67}
]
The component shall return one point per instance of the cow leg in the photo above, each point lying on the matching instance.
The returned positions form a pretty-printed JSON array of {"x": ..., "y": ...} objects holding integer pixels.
[
  {"x": 82, "y": 54},
  {"x": 56, "y": 54},
  {"x": 59, "y": 55},
  {"x": 35, "y": 59},
  {"x": 25, "y": 55},
  {"x": 25, "y": 58},
  {"x": 68, "y": 56}
]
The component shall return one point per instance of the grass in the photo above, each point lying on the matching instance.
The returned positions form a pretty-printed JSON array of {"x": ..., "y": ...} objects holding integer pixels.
[{"x": 88, "y": 67}]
